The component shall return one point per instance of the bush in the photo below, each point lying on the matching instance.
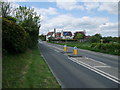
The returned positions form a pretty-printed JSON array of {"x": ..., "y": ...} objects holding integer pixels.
[
  {"x": 93, "y": 45},
  {"x": 14, "y": 37},
  {"x": 94, "y": 39},
  {"x": 107, "y": 47}
]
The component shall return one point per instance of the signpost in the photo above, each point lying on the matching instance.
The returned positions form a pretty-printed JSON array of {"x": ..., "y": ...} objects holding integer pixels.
[
  {"x": 65, "y": 46},
  {"x": 66, "y": 34}
]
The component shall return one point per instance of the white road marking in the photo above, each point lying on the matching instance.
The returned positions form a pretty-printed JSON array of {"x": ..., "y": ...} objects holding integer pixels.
[
  {"x": 96, "y": 70},
  {"x": 95, "y": 60},
  {"x": 55, "y": 47},
  {"x": 56, "y": 50},
  {"x": 102, "y": 66},
  {"x": 93, "y": 68}
]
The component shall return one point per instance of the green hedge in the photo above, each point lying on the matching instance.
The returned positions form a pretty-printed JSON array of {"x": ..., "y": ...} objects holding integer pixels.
[
  {"x": 107, "y": 47},
  {"x": 13, "y": 37}
]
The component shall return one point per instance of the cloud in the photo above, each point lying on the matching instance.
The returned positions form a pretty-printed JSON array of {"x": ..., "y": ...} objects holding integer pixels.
[
  {"x": 45, "y": 12},
  {"x": 109, "y": 29},
  {"x": 14, "y": 6},
  {"x": 109, "y": 26},
  {"x": 92, "y": 25},
  {"x": 70, "y": 5},
  {"x": 51, "y": 18},
  {"x": 91, "y": 5},
  {"x": 111, "y": 7},
  {"x": 50, "y": 10}
]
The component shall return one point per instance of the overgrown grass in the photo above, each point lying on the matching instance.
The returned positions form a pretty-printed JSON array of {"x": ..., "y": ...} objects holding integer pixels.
[
  {"x": 27, "y": 70},
  {"x": 112, "y": 49}
]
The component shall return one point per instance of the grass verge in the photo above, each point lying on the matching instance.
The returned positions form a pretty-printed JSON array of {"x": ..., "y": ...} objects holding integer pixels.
[{"x": 27, "y": 70}]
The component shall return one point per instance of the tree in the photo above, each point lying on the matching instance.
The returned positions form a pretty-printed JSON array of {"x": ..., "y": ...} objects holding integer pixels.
[
  {"x": 79, "y": 36},
  {"x": 30, "y": 21},
  {"x": 24, "y": 13},
  {"x": 42, "y": 37},
  {"x": 98, "y": 35},
  {"x": 6, "y": 9},
  {"x": 110, "y": 39},
  {"x": 95, "y": 38}
]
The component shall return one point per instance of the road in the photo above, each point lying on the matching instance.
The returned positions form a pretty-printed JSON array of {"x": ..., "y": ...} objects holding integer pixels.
[{"x": 81, "y": 72}]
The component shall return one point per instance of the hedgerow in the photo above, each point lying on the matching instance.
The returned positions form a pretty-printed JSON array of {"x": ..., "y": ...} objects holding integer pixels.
[
  {"x": 107, "y": 47},
  {"x": 14, "y": 37}
]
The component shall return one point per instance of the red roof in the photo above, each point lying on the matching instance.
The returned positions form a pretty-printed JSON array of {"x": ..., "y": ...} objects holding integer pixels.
[
  {"x": 50, "y": 33},
  {"x": 58, "y": 34}
]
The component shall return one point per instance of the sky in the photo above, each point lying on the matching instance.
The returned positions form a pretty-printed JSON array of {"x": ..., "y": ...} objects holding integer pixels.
[{"x": 93, "y": 17}]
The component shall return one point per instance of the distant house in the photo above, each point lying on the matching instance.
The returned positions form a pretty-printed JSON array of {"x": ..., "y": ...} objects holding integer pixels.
[
  {"x": 58, "y": 35},
  {"x": 66, "y": 35},
  {"x": 50, "y": 34}
]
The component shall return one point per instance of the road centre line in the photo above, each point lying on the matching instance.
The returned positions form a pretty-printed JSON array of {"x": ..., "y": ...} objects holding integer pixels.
[{"x": 113, "y": 78}]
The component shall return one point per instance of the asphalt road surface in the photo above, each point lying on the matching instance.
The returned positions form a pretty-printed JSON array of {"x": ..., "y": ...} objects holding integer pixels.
[{"x": 93, "y": 70}]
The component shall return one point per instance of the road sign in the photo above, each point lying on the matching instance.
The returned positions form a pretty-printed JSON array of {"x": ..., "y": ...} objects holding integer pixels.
[{"x": 66, "y": 33}]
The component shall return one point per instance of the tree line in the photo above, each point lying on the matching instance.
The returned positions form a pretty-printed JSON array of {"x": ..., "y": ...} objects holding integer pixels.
[{"x": 19, "y": 31}]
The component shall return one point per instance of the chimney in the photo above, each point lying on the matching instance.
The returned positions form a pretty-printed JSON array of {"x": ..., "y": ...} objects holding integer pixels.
[{"x": 54, "y": 32}]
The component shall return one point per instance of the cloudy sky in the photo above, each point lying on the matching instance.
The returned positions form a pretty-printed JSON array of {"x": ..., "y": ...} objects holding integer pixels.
[{"x": 93, "y": 17}]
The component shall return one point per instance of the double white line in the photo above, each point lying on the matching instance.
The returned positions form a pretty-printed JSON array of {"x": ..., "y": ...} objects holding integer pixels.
[{"x": 113, "y": 78}]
